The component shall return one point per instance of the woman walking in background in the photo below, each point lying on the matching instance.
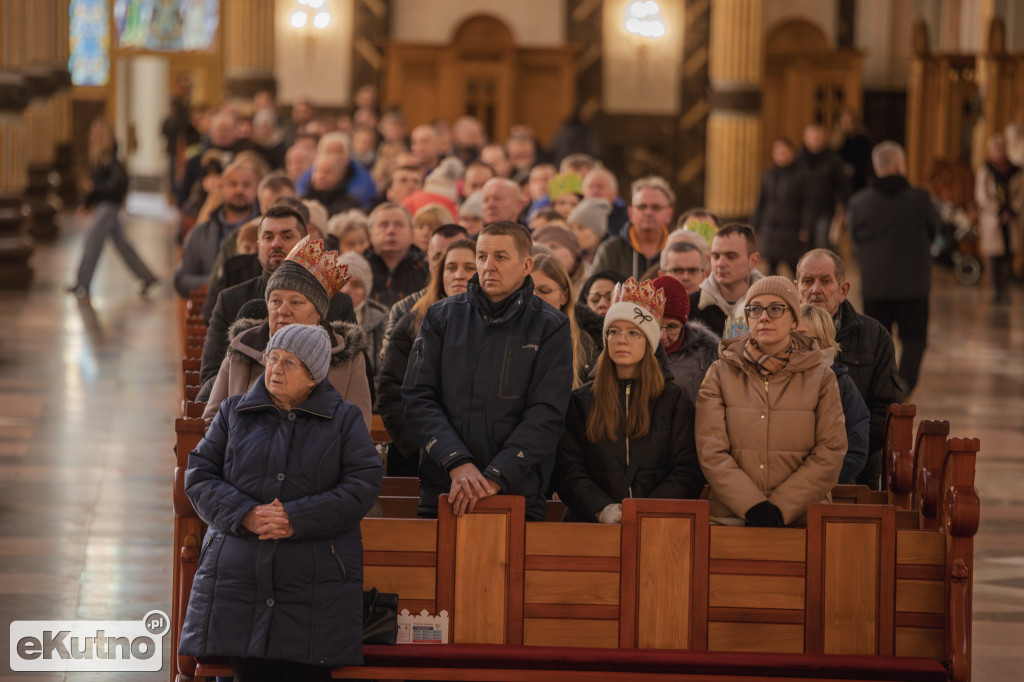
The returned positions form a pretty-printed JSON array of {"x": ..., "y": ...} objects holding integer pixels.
[{"x": 109, "y": 182}]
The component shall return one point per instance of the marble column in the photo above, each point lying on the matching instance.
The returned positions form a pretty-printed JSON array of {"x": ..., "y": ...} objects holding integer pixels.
[
  {"x": 247, "y": 30},
  {"x": 15, "y": 245},
  {"x": 734, "y": 122}
]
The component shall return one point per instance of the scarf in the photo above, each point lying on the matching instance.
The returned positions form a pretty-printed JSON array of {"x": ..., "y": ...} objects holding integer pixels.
[
  {"x": 677, "y": 344},
  {"x": 766, "y": 364}
]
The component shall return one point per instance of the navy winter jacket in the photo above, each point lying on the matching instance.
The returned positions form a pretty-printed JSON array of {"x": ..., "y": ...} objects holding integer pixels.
[
  {"x": 298, "y": 599},
  {"x": 858, "y": 423},
  {"x": 490, "y": 388}
]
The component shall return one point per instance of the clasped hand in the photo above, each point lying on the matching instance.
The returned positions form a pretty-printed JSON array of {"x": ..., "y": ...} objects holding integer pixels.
[
  {"x": 469, "y": 486},
  {"x": 269, "y": 521}
]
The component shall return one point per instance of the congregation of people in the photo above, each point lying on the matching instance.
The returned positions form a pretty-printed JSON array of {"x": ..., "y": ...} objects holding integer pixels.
[{"x": 524, "y": 327}]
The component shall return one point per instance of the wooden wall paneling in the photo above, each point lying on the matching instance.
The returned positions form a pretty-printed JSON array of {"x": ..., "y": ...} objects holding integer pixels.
[
  {"x": 664, "y": 574},
  {"x": 850, "y": 596},
  {"x": 899, "y": 455},
  {"x": 762, "y": 544},
  {"x": 370, "y": 30},
  {"x": 545, "y": 90},
  {"x": 480, "y": 570},
  {"x": 929, "y": 454},
  {"x": 960, "y": 517}
]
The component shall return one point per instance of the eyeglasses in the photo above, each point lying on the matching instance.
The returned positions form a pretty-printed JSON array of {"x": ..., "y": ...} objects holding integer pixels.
[
  {"x": 631, "y": 335},
  {"x": 679, "y": 272},
  {"x": 597, "y": 298},
  {"x": 672, "y": 329},
  {"x": 650, "y": 207},
  {"x": 544, "y": 291},
  {"x": 775, "y": 310},
  {"x": 287, "y": 363}
]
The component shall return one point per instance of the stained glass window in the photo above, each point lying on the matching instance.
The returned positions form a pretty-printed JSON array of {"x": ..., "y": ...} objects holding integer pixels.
[
  {"x": 166, "y": 25},
  {"x": 89, "y": 63}
]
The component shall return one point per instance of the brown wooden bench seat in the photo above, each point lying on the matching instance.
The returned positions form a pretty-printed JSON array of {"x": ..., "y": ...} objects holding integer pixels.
[{"x": 505, "y": 662}]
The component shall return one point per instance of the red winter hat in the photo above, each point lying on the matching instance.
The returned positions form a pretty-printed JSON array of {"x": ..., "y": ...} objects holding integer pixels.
[{"x": 677, "y": 302}]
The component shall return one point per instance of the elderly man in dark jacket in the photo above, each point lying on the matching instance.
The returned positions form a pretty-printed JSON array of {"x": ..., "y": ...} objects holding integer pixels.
[
  {"x": 488, "y": 383},
  {"x": 892, "y": 226},
  {"x": 867, "y": 350}
]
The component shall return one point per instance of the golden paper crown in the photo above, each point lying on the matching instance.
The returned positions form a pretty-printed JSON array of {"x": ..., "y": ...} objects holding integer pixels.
[
  {"x": 643, "y": 295},
  {"x": 567, "y": 183},
  {"x": 310, "y": 254}
]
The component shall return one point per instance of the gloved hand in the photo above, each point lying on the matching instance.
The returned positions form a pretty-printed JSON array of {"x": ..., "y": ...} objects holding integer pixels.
[
  {"x": 766, "y": 515},
  {"x": 611, "y": 514}
]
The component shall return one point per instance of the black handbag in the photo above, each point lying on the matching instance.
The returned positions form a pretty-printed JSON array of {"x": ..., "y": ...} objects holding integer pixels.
[{"x": 380, "y": 617}]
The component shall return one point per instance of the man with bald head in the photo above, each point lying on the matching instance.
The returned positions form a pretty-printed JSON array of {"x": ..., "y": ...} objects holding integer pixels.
[
  {"x": 866, "y": 347},
  {"x": 501, "y": 201},
  {"x": 892, "y": 226}
]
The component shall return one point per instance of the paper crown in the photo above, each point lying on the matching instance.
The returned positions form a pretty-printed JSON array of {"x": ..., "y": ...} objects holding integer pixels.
[
  {"x": 645, "y": 295},
  {"x": 567, "y": 183},
  {"x": 310, "y": 254}
]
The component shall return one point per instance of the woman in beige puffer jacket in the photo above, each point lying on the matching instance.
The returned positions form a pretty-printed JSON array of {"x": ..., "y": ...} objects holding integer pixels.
[{"x": 771, "y": 436}]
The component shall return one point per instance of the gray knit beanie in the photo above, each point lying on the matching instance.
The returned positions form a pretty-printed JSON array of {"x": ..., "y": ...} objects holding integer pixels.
[
  {"x": 309, "y": 343},
  {"x": 294, "y": 277},
  {"x": 592, "y": 213}
]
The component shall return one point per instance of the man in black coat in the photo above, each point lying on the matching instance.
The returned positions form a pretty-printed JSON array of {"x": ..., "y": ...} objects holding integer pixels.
[
  {"x": 398, "y": 267},
  {"x": 867, "y": 349},
  {"x": 892, "y": 226},
  {"x": 280, "y": 229},
  {"x": 488, "y": 383},
  {"x": 825, "y": 185}
]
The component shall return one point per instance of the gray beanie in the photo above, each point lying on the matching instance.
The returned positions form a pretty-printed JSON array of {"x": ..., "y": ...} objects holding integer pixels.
[
  {"x": 473, "y": 206},
  {"x": 293, "y": 277},
  {"x": 592, "y": 213},
  {"x": 309, "y": 343},
  {"x": 359, "y": 268}
]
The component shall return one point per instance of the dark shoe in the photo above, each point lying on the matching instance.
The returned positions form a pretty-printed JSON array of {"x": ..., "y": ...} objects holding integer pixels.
[
  {"x": 78, "y": 290},
  {"x": 146, "y": 286}
]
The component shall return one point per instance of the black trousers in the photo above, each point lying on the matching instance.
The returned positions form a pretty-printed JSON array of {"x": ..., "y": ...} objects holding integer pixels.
[
  {"x": 911, "y": 317},
  {"x": 1001, "y": 270},
  {"x": 269, "y": 670}
]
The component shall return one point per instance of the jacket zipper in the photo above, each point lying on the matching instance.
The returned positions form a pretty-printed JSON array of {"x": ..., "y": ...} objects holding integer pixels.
[
  {"x": 629, "y": 388},
  {"x": 312, "y": 613},
  {"x": 213, "y": 593},
  {"x": 341, "y": 564}
]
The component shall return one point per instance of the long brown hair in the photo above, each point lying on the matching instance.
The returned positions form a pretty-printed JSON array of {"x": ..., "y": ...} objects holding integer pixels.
[
  {"x": 550, "y": 266},
  {"x": 606, "y": 414},
  {"x": 435, "y": 287},
  {"x": 101, "y": 150}
]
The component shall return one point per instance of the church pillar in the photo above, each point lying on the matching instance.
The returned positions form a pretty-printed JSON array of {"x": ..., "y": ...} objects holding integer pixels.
[
  {"x": 42, "y": 80},
  {"x": 15, "y": 245},
  {"x": 247, "y": 29},
  {"x": 734, "y": 122}
]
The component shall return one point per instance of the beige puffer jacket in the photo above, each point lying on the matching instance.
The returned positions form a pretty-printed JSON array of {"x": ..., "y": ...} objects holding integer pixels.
[
  {"x": 243, "y": 364},
  {"x": 782, "y": 440}
]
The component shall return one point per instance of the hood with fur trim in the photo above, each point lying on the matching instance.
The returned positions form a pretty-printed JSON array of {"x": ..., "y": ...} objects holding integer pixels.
[{"x": 247, "y": 339}]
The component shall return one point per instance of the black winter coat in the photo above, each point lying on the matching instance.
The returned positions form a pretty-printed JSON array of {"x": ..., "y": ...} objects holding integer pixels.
[
  {"x": 489, "y": 384},
  {"x": 825, "y": 182},
  {"x": 593, "y": 475},
  {"x": 298, "y": 599},
  {"x": 109, "y": 183},
  {"x": 892, "y": 227},
  {"x": 690, "y": 363},
  {"x": 783, "y": 230},
  {"x": 870, "y": 359},
  {"x": 408, "y": 277},
  {"x": 405, "y": 447},
  {"x": 857, "y": 425}
]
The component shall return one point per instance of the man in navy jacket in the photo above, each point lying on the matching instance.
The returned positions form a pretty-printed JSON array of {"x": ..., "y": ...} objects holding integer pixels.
[{"x": 488, "y": 383}]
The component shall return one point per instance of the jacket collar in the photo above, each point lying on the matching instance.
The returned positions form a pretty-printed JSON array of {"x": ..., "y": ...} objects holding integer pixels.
[
  {"x": 711, "y": 295},
  {"x": 322, "y": 402},
  {"x": 504, "y": 310}
]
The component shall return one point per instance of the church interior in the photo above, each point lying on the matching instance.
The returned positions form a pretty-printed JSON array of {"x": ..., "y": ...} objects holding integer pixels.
[{"x": 694, "y": 91}]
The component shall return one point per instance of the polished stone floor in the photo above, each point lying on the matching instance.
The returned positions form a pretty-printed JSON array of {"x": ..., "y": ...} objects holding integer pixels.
[{"x": 89, "y": 392}]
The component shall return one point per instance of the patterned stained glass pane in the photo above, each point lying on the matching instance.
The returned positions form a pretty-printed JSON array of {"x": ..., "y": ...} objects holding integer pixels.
[
  {"x": 89, "y": 63},
  {"x": 166, "y": 25}
]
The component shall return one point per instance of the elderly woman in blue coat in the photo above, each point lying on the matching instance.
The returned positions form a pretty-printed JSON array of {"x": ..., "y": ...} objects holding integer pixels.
[{"x": 283, "y": 478}]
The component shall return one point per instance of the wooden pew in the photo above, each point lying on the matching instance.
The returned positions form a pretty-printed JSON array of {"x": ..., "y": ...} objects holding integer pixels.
[
  {"x": 898, "y": 467},
  {"x": 929, "y": 453},
  {"x": 188, "y": 534}
]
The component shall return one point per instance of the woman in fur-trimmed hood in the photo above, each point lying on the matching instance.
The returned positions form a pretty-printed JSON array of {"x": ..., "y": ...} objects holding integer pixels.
[{"x": 297, "y": 293}]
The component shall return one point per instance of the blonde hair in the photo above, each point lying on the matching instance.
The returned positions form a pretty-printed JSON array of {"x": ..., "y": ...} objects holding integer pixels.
[
  {"x": 434, "y": 215},
  {"x": 549, "y": 264},
  {"x": 819, "y": 326}
]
